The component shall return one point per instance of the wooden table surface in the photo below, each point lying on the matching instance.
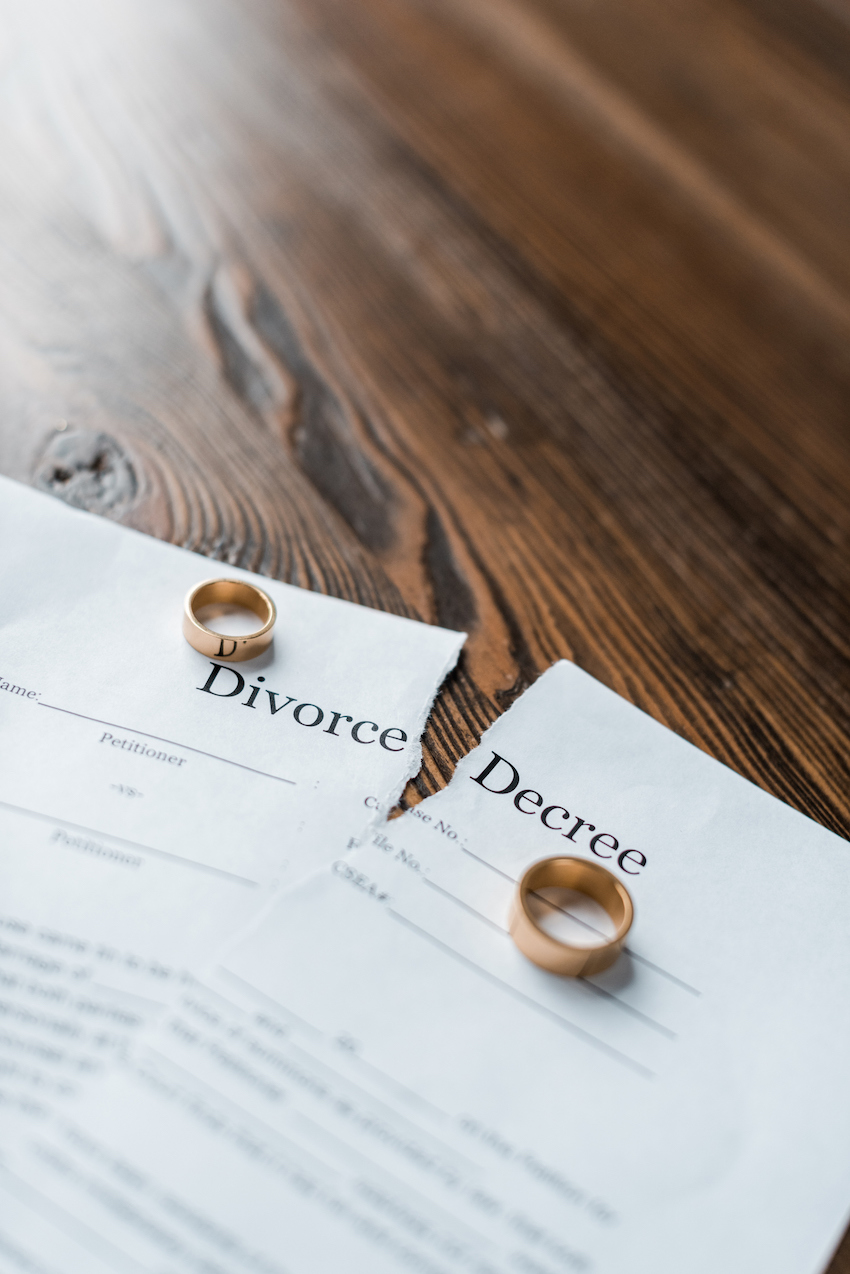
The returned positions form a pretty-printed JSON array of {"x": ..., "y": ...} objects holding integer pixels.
[{"x": 529, "y": 317}]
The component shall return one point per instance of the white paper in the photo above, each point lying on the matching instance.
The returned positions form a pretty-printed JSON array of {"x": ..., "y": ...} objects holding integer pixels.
[
  {"x": 143, "y": 819},
  {"x": 376, "y": 1080}
]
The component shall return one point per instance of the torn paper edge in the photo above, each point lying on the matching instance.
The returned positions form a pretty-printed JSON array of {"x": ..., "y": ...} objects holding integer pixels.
[
  {"x": 385, "y": 803},
  {"x": 455, "y": 779},
  {"x": 376, "y": 819}
]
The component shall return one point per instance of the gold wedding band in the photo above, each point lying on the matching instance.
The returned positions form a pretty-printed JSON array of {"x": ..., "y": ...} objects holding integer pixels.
[
  {"x": 228, "y": 592},
  {"x": 587, "y": 878}
]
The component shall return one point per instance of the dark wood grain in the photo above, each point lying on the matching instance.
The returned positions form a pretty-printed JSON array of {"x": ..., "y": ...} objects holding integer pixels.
[{"x": 527, "y": 318}]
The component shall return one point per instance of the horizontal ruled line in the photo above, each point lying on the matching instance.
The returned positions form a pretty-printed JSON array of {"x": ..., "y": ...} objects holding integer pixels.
[
  {"x": 665, "y": 973},
  {"x": 564, "y": 1022},
  {"x": 623, "y": 1005},
  {"x": 185, "y": 747},
  {"x": 122, "y": 840},
  {"x": 472, "y": 911}
]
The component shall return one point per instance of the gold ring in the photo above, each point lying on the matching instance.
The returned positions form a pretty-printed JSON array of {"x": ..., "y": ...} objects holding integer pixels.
[
  {"x": 587, "y": 878},
  {"x": 228, "y": 592}
]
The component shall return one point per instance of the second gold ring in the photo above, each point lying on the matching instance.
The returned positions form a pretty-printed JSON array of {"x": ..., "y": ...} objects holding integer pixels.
[{"x": 585, "y": 877}]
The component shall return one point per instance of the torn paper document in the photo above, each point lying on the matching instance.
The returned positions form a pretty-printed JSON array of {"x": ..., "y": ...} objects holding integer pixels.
[
  {"x": 376, "y": 1080},
  {"x": 150, "y": 798}
]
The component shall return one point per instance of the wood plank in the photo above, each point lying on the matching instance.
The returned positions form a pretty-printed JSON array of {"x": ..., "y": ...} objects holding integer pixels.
[{"x": 530, "y": 318}]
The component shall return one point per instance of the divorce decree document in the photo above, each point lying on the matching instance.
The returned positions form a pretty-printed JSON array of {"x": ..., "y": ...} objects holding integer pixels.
[
  {"x": 150, "y": 797},
  {"x": 375, "y": 1080}
]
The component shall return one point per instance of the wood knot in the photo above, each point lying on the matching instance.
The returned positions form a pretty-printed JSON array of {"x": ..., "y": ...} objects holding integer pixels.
[{"x": 88, "y": 470}]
